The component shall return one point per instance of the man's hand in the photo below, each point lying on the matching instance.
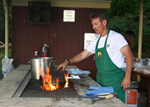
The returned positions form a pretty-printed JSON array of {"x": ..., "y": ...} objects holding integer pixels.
[
  {"x": 77, "y": 58},
  {"x": 137, "y": 60},
  {"x": 63, "y": 65},
  {"x": 126, "y": 83}
]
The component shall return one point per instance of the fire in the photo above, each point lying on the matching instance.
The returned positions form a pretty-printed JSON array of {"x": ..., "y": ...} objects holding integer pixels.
[
  {"x": 66, "y": 78},
  {"x": 47, "y": 79}
]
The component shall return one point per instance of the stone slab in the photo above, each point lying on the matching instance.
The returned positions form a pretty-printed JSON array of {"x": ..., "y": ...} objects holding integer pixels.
[
  {"x": 12, "y": 81},
  {"x": 62, "y": 102},
  {"x": 21, "y": 75}
]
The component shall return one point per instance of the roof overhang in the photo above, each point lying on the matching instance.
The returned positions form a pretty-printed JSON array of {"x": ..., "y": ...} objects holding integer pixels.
[{"x": 103, "y": 4}]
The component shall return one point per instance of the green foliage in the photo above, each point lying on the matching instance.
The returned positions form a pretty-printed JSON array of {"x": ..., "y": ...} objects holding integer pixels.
[
  {"x": 2, "y": 26},
  {"x": 124, "y": 7},
  {"x": 146, "y": 9},
  {"x": 124, "y": 16}
]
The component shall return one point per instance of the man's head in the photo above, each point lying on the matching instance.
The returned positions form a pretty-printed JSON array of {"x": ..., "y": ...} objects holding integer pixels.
[
  {"x": 99, "y": 22},
  {"x": 101, "y": 15},
  {"x": 129, "y": 36}
]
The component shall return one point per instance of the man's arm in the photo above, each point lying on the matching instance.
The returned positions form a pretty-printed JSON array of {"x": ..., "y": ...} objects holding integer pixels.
[
  {"x": 129, "y": 60},
  {"x": 77, "y": 58},
  {"x": 134, "y": 59}
]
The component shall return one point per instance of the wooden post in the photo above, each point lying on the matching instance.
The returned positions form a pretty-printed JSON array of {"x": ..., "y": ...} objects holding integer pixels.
[
  {"x": 140, "y": 33},
  {"x": 6, "y": 28}
]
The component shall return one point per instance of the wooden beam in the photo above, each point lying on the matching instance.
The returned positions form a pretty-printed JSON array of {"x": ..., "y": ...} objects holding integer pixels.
[
  {"x": 73, "y": 4},
  {"x": 140, "y": 33},
  {"x": 3, "y": 46},
  {"x": 6, "y": 28}
]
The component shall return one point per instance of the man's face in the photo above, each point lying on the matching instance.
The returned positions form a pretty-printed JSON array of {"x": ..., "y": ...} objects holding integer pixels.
[{"x": 97, "y": 25}]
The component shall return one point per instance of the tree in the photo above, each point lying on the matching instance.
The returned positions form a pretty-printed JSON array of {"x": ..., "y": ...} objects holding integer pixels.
[
  {"x": 2, "y": 22},
  {"x": 124, "y": 15}
]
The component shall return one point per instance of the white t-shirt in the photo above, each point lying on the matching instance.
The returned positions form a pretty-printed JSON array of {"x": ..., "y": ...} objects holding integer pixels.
[{"x": 114, "y": 43}]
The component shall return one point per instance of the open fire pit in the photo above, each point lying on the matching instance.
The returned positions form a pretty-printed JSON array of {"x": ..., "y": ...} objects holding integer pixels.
[
  {"x": 19, "y": 90},
  {"x": 33, "y": 89}
]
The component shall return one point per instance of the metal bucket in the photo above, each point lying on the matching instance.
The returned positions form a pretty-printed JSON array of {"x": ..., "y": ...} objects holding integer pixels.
[{"x": 37, "y": 63}]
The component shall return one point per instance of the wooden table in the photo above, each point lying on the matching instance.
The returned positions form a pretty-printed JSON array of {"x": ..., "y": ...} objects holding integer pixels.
[{"x": 146, "y": 78}]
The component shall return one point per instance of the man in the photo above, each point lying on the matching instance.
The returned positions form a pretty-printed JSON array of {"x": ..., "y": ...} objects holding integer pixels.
[
  {"x": 109, "y": 49},
  {"x": 129, "y": 36}
]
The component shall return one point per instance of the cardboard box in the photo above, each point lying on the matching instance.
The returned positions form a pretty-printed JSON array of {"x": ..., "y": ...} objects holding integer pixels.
[{"x": 132, "y": 97}]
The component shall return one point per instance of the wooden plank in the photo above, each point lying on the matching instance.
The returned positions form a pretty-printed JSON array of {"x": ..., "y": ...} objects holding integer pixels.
[
  {"x": 68, "y": 42},
  {"x": 3, "y": 46},
  {"x": 59, "y": 42},
  {"x": 38, "y": 39},
  {"x": 73, "y": 4},
  {"x": 30, "y": 41},
  {"x": 81, "y": 42},
  {"x": 22, "y": 36},
  {"x": 52, "y": 40},
  {"x": 45, "y": 34},
  {"x": 15, "y": 34},
  {"x": 75, "y": 41},
  {"x": 57, "y": 17},
  {"x": 77, "y": 14}
]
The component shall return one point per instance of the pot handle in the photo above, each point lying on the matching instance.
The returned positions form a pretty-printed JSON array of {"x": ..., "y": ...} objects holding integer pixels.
[{"x": 52, "y": 61}]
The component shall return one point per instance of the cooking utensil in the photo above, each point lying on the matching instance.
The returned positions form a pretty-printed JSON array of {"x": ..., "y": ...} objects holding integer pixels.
[
  {"x": 103, "y": 95},
  {"x": 37, "y": 63},
  {"x": 106, "y": 97},
  {"x": 52, "y": 83},
  {"x": 98, "y": 97}
]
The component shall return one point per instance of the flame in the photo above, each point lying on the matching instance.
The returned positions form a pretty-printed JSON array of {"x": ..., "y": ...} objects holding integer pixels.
[
  {"x": 66, "y": 78},
  {"x": 47, "y": 78}
]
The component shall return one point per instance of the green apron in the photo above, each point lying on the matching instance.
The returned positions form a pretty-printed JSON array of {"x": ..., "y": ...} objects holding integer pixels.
[{"x": 108, "y": 74}]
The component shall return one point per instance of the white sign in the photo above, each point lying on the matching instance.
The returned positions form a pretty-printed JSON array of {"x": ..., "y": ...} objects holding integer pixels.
[
  {"x": 69, "y": 16},
  {"x": 88, "y": 38}
]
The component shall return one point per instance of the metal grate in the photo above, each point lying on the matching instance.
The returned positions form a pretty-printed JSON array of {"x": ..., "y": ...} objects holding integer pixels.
[{"x": 33, "y": 90}]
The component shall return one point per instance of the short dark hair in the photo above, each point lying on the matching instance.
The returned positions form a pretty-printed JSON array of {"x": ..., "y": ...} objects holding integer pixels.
[
  {"x": 129, "y": 36},
  {"x": 130, "y": 33},
  {"x": 102, "y": 16}
]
